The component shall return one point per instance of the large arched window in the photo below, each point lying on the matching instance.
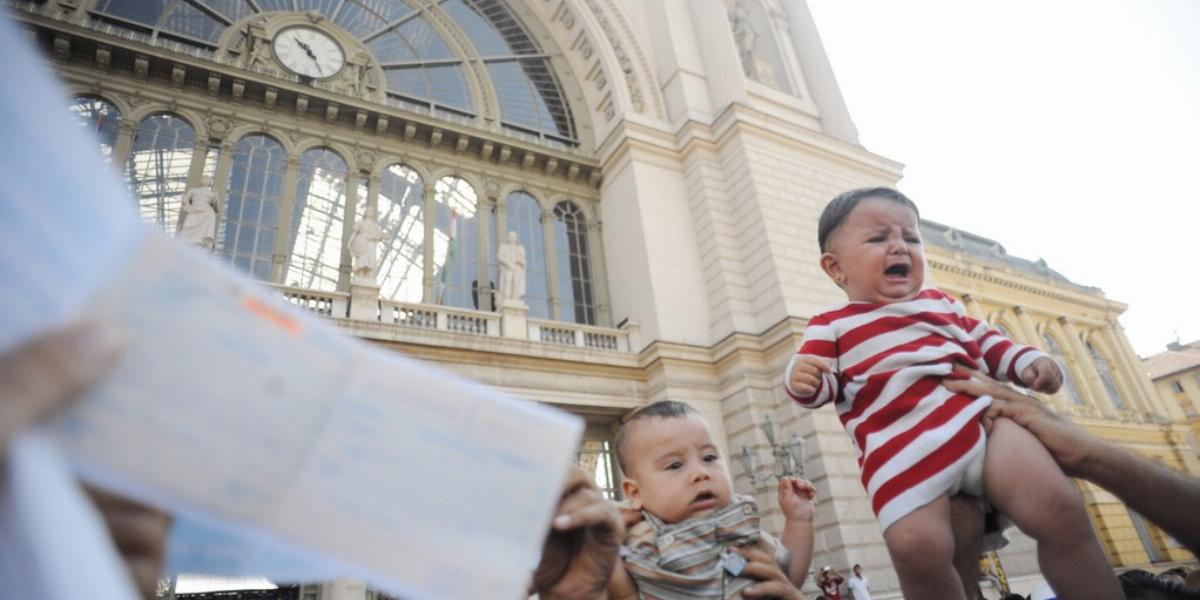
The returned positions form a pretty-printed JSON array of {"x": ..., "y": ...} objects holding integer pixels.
[
  {"x": 100, "y": 119},
  {"x": 408, "y": 40},
  {"x": 158, "y": 167},
  {"x": 317, "y": 221},
  {"x": 1106, "y": 377},
  {"x": 574, "y": 270},
  {"x": 456, "y": 244},
  {"x": 524, "y": 216},
  {"x": 252, "y": 205},
  {"x": 1069, "y": 386},
  {"x": 402, "y": 216}
]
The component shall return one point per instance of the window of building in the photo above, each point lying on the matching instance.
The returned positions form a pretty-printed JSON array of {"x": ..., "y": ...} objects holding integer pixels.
[
  {"x": 456, "y": 244},
  {"x": 1177, "y": 386},
  {"x": 402, "y": 216},
  {"x": 317, "y": 221},
  {"x": 1070, "y": 388},
  {"x": 251, "y": 213},
  {"x": 158, "y": 167},
  {"x": 523, "y": 215},
  {"x": 421, "y": 70},
  {"x": 101, "y": 119},
  {"x": 574, "y": 270},
  {"x": 1106, "y": 377},
  {"x": 596, "y": 458}
]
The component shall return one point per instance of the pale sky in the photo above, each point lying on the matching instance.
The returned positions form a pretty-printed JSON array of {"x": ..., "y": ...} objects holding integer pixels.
[{"x": 1064, "y": 129}]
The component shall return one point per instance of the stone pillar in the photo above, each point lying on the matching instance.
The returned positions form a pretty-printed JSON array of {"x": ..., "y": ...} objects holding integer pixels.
[
  {"x": 431, "y": 219},
  {"x": 349, "y": 218},
  {"x": 551, "y": 263},
  {"x": 221, "y": 177},
  {"x": 1128, "y": 373},
  {"x": 283, "y": 232},
  {"x": 818, "y": 74},
  {"x": 489, "y": 210},
  {"x": 373, "y": 195},
  {"x": 971, "y": 305},
  {"x": 599, "y": 274},
  {"x": 719, "y": 52},
  {"x": 196, "y": 168},
  {"x": 1156, "y": 402},
  {"x": 123, "y": 144},
  {"x": 1091, "y": 379},
  {"x": 1029, "y": 332}
]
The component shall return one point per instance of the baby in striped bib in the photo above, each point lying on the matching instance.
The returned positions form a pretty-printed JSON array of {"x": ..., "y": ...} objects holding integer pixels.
[{"x": 696, "y": 533}]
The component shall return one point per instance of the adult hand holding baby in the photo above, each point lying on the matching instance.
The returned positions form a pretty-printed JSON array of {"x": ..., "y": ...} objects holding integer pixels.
[{"x": 772, "y": 581}]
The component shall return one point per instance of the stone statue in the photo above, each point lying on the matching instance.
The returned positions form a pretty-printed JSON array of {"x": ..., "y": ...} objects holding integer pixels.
[
  {"x": 746, "y": 37},
  {"x": 511, "y": 256},
  {"x": 198, "y": 221},
  {"x": 364, "y": 250}
]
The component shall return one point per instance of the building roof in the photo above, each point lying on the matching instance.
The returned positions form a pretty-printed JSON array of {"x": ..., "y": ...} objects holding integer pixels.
[
  {"x": 992, "y": 251},
  {"x": 1178, "y": 357}
]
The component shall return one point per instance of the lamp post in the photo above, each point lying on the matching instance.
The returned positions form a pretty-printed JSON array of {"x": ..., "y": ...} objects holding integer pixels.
[{"x": 790, "y": 457}]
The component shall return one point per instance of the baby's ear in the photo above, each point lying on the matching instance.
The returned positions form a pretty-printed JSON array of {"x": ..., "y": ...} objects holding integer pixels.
[
  {"x": 629, "y": 489},
  {"x": 833, "y": 268}
]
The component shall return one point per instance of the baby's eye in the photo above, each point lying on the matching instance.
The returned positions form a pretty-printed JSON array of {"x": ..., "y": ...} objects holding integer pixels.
[
  {"x": 913, "y": 240},
  {"x": 675, "y": 466},
  {"x": 876, "y": 239},
  {"x": 711, "y": 458}
]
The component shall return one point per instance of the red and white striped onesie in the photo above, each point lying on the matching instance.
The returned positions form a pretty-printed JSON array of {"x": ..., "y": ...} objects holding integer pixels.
[{"x": 915, "y": 439}]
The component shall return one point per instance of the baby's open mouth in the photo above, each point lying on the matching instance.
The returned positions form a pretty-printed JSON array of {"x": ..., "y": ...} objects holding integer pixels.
[
  {"x": 704, "y": 497},
  {"x": 897, "y": 271}
]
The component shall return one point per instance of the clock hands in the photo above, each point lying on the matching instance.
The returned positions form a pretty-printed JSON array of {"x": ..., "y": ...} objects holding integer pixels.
[{"x": 308, "y": 50}]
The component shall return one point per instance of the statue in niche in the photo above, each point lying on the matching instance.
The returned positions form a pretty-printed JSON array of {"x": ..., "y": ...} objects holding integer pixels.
[
  {"x": 364, "y": 250},
  {"x": 744, "y": 35},
  {"x": 198, "y": 221},
  {"x": 511, "y": 256},
  {"x": 754, "y": 64},
  {"x": 359, "y": 73}
]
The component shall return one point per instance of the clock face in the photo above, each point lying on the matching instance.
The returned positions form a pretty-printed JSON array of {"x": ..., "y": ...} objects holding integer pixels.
[{"x": 309, "y": 52}]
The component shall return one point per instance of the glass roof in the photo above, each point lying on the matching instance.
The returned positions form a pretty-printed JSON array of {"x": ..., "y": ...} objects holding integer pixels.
[{"x": 421, "y": 70}]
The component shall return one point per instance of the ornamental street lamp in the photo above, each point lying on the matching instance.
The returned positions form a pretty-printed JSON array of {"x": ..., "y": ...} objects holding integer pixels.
[{"x": 789, "y": 458}]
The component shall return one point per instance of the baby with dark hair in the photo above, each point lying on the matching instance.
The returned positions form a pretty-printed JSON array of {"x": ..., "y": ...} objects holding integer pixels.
[
  {"x": 881, "y": 358},
  {"x": 693, "y": 524}
]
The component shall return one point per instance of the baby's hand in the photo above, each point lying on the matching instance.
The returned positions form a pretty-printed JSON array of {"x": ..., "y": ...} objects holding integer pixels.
[
  {"x": 1043, "y": 376},
  {"x": 806, "y": 373},
  {"x": 796, "y": 498}
]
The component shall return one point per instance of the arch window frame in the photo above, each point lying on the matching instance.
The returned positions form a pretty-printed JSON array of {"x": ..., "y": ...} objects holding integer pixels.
[
  {"x": 323, "y": 219},
  {"x": 575, "y": 272},
  {"x": 156, "y": 179}
]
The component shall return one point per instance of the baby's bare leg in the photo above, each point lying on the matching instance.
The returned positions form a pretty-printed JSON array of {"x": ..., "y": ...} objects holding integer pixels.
[
  {"x": 1022, "y": 481},
  {"x": 922, "y": 548}
]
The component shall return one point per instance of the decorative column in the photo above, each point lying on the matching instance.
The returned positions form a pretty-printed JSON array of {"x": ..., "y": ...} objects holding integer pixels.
[
  {"x": 124, "y": 143},
  {"x": 1029, "y": 330},
  {"x": 599, "y": 274},
  {"x": 1127, "y": 373},
  {"x": 551, "y": 263},
  {"x": 491, "y": 209},
  {"x": 818, "y": 74},
  {"x": 1083, "y": 358},
  {"x": 196, "y": 168},
  {"x": 283, "y": 231},
  {"x": 349, "y": 217},
  {"x": 430, "y": 212},
  {"x": 971, "y": 304},
  {"x": 221, "y": 177},
  {"x": 1158, "y": 404}
]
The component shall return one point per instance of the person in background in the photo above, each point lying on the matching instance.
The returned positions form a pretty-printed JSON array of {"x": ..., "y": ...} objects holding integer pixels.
[
  {"x": 858, "y": 584},
  {"x": 830, "y": 583}
]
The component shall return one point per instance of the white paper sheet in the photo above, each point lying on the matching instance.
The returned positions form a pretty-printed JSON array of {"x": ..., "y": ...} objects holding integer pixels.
[{"x": 237, "y": 410}]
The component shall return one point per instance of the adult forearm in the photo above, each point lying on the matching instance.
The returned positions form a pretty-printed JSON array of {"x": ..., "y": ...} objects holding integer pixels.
[{"x": 1159, "y": 493}]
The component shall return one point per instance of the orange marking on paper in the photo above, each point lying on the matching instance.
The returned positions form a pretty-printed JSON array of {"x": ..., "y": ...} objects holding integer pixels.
[{"x": 270, "y": 314}]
